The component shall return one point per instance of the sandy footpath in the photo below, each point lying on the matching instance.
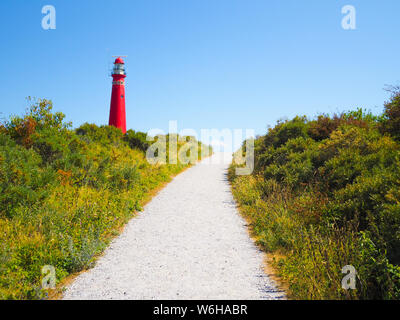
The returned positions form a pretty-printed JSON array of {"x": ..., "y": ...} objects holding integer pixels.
[{"x": 189, "y": 243}]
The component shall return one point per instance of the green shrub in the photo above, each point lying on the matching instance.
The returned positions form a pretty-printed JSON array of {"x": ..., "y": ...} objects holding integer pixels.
[
  {"x": 325, "y": 194},
  {"x": 105, "y": 135},
  {"x": 64, "y": 195},
  {"x": 391, "y": 116},
  {"x": 136, "y": 140},
  {"x": 284, "y": 131},
  {"x": 22, "y": 180}
]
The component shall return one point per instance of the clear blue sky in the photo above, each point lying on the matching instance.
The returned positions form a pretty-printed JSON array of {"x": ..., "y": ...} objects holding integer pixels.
[{"x": 206, "y": 63}]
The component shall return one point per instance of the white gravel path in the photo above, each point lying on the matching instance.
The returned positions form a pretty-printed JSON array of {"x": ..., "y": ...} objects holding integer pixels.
[{"x": 189, "y": 243}]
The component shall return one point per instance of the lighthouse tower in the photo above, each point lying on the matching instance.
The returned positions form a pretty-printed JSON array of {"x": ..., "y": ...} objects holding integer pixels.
[{"x": 117, "y": 109}]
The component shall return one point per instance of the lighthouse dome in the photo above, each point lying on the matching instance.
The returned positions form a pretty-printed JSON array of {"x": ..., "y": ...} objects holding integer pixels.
[{"x": 119, "y": 61}]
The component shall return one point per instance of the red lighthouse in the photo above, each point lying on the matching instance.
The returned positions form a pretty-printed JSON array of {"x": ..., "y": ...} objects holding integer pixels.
[{"x": 117, "y": 109}]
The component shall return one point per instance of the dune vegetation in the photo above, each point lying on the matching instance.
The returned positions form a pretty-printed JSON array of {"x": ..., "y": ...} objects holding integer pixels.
[
  {"x": 66, "y": 193},
  {"x": 325, "y": 193}
]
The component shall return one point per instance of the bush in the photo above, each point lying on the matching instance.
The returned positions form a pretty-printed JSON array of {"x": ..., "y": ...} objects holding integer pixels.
[
  {"x": 325, "y": 194},
  {"x": 22, "y": 180},
  {"x": 64, "y": 195},
  {"x": 105, "y": 135},
  {"x": 136, "y": 140},
  {"x": 391, "y": 116}
]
